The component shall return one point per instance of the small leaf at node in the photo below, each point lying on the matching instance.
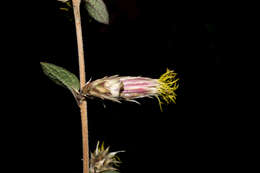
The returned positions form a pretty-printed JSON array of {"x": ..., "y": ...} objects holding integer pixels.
[
  {"x": 61, "y": 76},
  {"x": 97, "y": 9}
]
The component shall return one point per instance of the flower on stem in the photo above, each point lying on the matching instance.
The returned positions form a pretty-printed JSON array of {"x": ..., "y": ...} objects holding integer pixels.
[
  {"x": 102, "y": 160},
  {"x": 117, "y": 88}
]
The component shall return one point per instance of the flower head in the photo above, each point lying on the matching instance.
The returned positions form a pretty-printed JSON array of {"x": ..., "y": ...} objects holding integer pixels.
[
  {"x": 102, "y": 160},
  {"x": 117, "y": 88}
]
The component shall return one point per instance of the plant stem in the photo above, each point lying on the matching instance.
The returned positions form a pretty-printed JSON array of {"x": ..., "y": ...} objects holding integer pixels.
[{"x": 83, "y": 105}]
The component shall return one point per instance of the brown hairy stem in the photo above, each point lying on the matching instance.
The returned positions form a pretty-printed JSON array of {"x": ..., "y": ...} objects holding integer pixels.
[{"x": 83, "y": 105}]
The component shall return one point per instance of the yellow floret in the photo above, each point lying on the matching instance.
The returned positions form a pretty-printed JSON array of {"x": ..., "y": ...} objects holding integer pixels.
[{"x": 167, "y": 86}]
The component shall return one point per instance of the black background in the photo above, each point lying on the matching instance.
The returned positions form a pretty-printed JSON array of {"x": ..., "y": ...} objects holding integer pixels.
[{"x": 142, "y": 39}]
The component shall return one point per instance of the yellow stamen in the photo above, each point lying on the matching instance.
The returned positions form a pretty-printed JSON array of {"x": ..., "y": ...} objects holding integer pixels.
[{"x": 167, "y": 86}]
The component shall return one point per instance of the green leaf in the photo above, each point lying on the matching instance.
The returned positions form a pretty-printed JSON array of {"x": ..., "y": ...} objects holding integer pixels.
[
  {"x": 110, "y": 172},
  {"x": 61, "y": 76},
  {"x": 97, "y": 9}
]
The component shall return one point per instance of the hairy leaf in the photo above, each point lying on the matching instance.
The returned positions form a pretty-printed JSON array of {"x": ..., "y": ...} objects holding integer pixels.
[
  {"x": 97, "y": 9},
  {"x": 61, "y": 76}
]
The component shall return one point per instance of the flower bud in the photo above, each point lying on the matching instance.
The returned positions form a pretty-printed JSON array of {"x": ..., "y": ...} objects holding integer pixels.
[{"x": 102, "y": 160}]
